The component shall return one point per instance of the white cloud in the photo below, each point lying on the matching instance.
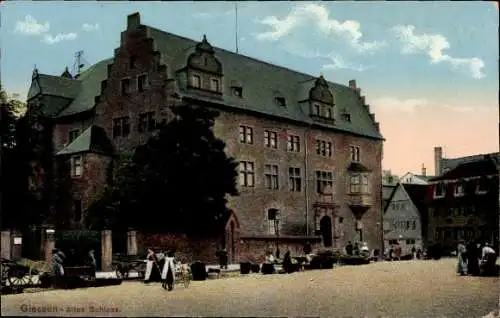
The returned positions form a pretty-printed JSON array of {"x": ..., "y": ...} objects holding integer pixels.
[
  {"x": 339, "y": 63},
  {"x": 50, "y": 39},
  {"x": 30, "y": 26},
  {"x": 411, "y": 105},
  {"x": 315, "y": 14},
  {"x": 434, "y": 46},
  {"x": 396, "y": 104},
  {"x": 90, "y": 27}
]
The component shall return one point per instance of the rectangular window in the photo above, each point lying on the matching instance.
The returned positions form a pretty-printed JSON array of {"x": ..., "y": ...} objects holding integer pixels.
[
  {"x": 247, "y": 174},
  {"x": 414, "y": 225},
  {"x": 365, "y": 187},
  {"x": 316, "y": 110},
  {"x": 76, "y": 166},
  {"x": 271, "y": 176},
  {"x": 355, "y": 183},
  {"x": 132, "y": 61},
  {"x": 270, "y": 139},
  {"x": 410, "y": 241},
  {"x": 293, "y": 143},
  {"x": 73, "y": 134},
  {"x": 246, "y": 135},
  {"x": 324, "y": 182},
  {"x": 125, "y": 86},
  {"x": 294, "y": 180},
  {"x": 196, "y": 81},
  {"x": 271, "y": 221},
  {"x": 439, "y": 190},
  {"x": 355, "y": 154},
  {"x": 77, "y": 212},
  {"x": 121, "y": 127},
  {"x": 328, "y": 113},
  {"x": 142, "y": 83},
  {"x": 323, "y": 148},
  {"x": 237, "y": 91},
  {"x": 147, "y": 122},
  {"x": 393, "y": 242},
  {"x": 214, "y": 85}
]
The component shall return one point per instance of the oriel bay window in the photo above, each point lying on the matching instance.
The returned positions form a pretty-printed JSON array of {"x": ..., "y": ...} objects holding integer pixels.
[
  {"x": 324, "y": 180},
  {"x": 247, "y": 174},
  {"x": 359, "y": 183}
]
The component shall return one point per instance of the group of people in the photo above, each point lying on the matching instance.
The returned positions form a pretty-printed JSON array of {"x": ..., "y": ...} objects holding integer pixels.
[
  {"x": 474, "y": 259},
  {"x": 160, "y": 267},
  {"x": 356, "y": 249},
  {"x": 60, "y": 260}
]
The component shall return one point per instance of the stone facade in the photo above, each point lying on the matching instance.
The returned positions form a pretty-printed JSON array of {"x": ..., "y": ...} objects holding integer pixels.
[{"x": 140, "y": 88}]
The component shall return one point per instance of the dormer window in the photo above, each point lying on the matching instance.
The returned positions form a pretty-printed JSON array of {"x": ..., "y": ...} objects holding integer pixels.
[
  {"x": 280, "y": 101},
  {"x": 316, "y": 110},
  {"x": 439, "y": 191},
  {"x": 459, "y": 189},
  {"x": 346, "y": 117},
  {"x": 237, "y": 91},
  {"x": 215, "y": 85},
  {"x": 196, "y": 81}
]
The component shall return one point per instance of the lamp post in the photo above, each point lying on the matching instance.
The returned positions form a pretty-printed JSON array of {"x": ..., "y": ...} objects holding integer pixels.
[{"x": 277, "y": 230}]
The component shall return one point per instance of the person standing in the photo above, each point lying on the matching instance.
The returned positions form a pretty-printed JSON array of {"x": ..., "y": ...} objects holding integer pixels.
[
  {"x": 356, "y": 249},
  {"x": 287, "y": 262},
  {"x": 168, "y": 272},
  {"x": 462, "y": 264},
  {"x": 472, "y": 259},
  {"x": 92, "y": 262},
  {"x": 414, "y": 252},
  {"x": 349, "y": 248},
  {"x": 150, "y": 264},
  {"x": 57, "y": 263},
  {"x": 398, "y": 252}
]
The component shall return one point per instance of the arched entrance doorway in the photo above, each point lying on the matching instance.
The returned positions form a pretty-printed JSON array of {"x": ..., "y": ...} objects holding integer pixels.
[{"x": 325, "y": 225}]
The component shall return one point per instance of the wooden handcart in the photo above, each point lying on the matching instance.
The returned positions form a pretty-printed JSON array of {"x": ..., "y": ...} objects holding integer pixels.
[
  {"x": 19, "y": 275},
  {"x": 124, "y": 264}
]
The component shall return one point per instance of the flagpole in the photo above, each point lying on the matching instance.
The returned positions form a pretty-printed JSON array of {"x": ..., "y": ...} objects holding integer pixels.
[{"x": 236, "y": 25}]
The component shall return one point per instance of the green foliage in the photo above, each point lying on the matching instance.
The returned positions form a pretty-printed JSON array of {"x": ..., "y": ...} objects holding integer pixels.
[
  {"x": 20, "y": 205},
  {"x": 176, "y": 182}
]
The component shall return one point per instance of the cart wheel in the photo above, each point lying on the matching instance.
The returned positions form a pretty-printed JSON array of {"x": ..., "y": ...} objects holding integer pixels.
[
  {"x": 121, "y": 271},
  {"x": 18, "y": 277},
  {"x": 37, "y": 269}
]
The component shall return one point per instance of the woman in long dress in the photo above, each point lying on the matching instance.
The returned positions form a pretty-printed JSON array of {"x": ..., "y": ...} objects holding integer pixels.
[
  {"x": 168, "y": 272},
  {"x": 462, "y": 264},
  {"x": 150, "y": 264}
]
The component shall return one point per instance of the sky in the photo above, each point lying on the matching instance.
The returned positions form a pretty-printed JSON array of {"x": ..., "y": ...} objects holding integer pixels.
[{"x": 429, "y": 70}]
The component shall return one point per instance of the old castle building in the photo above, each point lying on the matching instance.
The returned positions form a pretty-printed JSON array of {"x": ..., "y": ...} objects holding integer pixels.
[{"x": 308, "y": 148}]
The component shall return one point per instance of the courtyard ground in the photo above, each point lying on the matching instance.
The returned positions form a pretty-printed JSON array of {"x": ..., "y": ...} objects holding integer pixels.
[{"x": 385, "y": 289}]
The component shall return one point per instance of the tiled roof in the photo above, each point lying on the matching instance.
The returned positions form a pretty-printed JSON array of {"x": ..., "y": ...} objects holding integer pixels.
[
  {"x": 484, "y": 167},
  {"x": 89, "y": 89},
  {"x": 450, "y": 163},
  {"x": 93, "y": 139},
  {"x": 261, "y": 82},
  {"x": 417, "y": 194}
]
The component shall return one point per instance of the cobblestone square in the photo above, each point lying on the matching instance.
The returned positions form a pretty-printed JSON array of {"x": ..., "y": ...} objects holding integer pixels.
[{"x": 386, "y": 289}]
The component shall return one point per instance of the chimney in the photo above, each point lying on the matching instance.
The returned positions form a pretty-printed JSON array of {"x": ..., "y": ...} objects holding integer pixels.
[
  {"x": 438, "y": 156},
  {"x": 133, "y": 21},
  {"x": 424, "y": 171},
  {"x": 352, "y": 84}
]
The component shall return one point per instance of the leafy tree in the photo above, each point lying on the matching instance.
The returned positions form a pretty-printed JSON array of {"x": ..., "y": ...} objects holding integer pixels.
[
  {"x": 177, "y": 182},
  {"x": 18, "y": 202}
]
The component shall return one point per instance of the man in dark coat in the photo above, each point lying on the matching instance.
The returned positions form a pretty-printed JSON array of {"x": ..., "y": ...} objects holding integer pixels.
[
  {"x": 287, "y": 263},
  {"x": 349, "y": 248},
  {"x": 472, "y": 259}
]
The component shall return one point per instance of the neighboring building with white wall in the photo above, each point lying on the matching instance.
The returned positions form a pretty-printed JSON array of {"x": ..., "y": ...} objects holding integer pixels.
[
  {"x": 412, "y": 178},
  {"x": 403, "y": 218}
]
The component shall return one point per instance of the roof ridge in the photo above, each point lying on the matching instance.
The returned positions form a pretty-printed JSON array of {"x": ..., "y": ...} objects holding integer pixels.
[{"x": 250, "y": 58}]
